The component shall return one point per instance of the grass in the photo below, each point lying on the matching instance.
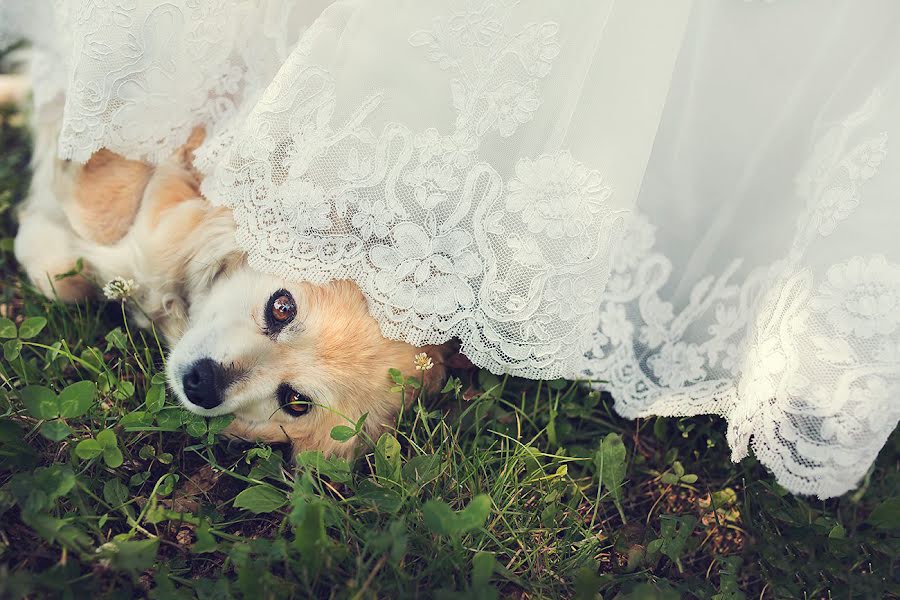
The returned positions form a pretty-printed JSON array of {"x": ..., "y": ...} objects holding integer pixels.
[{"x": 500, "y": 488}]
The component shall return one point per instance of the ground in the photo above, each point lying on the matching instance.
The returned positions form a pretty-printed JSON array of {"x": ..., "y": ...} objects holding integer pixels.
[{"x": 500, "y": 488}]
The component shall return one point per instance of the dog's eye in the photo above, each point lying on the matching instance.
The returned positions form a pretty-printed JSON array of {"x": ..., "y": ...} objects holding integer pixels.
[
  {"x": 293, "y": 402},
  {"x": 281, "y": 309}
]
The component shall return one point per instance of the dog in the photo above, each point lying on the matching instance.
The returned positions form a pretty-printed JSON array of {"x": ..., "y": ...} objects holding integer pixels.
[{"x": 289, "y": 360}]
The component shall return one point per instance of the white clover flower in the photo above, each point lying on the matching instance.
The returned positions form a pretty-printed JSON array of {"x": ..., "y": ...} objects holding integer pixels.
[
  {"x": 423, "y": 362},
  {"x": 119, "y": 288}
]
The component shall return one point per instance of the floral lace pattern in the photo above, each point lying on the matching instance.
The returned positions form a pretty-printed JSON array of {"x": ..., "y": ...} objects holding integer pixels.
[
  {"x": 815, "y": 417},
  {"x": 468, "y": 193},
  {"x": 417, "y": 218}
]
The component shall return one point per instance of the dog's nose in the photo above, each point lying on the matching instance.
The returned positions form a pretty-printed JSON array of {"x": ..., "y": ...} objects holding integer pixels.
[{"x": 203, "y": 383}]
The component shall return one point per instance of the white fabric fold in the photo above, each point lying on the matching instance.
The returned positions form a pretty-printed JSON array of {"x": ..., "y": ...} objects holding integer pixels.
[{"x": 692, "y": 204}]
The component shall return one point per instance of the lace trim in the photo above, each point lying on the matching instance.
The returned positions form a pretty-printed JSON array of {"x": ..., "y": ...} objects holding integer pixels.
[
  {"x": 439, "y": 242},
  {"x": 805, "y": 373}
]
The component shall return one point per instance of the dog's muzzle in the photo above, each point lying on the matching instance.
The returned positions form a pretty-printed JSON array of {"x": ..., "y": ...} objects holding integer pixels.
[{"x": 204, "y": 383}]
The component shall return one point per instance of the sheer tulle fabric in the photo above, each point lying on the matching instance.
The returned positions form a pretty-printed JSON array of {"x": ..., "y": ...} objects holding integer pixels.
[{"x": 694, "y": 203}]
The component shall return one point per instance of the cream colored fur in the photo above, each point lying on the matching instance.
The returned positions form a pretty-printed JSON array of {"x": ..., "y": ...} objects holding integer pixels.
[{"x": 151, "y": 224}]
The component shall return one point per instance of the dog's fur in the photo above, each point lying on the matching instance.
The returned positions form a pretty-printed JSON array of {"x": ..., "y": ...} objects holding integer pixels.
[{"x": 150, "y": 224}]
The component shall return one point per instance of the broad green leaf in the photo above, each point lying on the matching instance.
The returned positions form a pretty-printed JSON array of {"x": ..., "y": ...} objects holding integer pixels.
[
  {"x": 310, "y": 538},
  {"x": 11, "y": 349},
  {"x": 156, "y": 397},
  {"x": 107, "y": 438},
  {"x": 76, "y": 399},
  {"x": 483, "y": 566},
  {"x": 421, "y": 469},
  {"x": 674, "y": 533},
  {"x": 270, "y": 466},
  {"x": 669, "y": 478},
  {"x": 387, "y": 457},
  {"x": 158, "y": 379},
  {"x": 130, "y": 555},
  {"x": 14, "y": 451},
  {"x": 136, "y": 419},
  {"x": 167, "y": 484},
  {"x": 476, "y": 513},
  {"x": 837, "y": 532},
  {"x": 55, "y": 481},
  {"x": 647, "y": 591},
  {"x": 725, "y": 497},
  {"x": 31, "y": 326},
  {"x": 7, "y": 328},
  {"x": 659, "y": 428},
  {"x": 113, "y": 457},
  {"x": 124, "y": 390},
  {"x": 394, "y": 539},
  {"x": 336, "y": 469},
  {"x": 383, "y": 498},
  {"x": 40, "y": 402},
  {"x": 170, "y": 419},
  {"x": 88, "y": 449},
  {"x": 441, "y": 519},
  {"x": 887, "y": 514},
  {"x": 361, "y": 421},
  {"x": 115, "y": 493},
  {"x": 260, "y": 499},
  {"x": 205, "y": 540},
  {"x": 116, "y": 339},
  {"x": 609, "y": 461},
  {"x": 55, "y": 430},
  {"x": 217, "y": 425},
  {"x": 342, "y": 433},
  {"x": 195, "y": 425}
]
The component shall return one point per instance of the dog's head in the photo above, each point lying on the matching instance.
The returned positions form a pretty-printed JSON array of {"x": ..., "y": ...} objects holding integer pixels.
[{"x": 289, "y": 360}]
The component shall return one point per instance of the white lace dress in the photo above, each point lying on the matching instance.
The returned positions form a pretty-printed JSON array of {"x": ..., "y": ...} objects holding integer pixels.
[{"x": 696, "y": 203}]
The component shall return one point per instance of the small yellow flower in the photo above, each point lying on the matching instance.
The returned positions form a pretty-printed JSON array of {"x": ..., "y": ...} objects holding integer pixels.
[{"x": 423, "y": 362}]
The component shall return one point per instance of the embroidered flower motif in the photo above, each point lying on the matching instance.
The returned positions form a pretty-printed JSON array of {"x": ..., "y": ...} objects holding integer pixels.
[
  {"x": 614, "y": 324},
  {"x": 432, "y": 183},
  {"x": 152, "y": 94},
  {"x": 677, "y": 365},
  {"x": 307, "y": 204},
  {"x": 835, "y": 205},
  {"x": 861, "y": 297},
  {"x": 459, "y": 148},
  {"x": 556, "y": 195},
  {"x": 571, "y": 297},
  {"x": 538, "y": 47},
  {"x": 877, "y": 395},
  {"x": 429, "y": 143},
  {"x": 430, "y": 275},
  {"x": 656, "y": 314},
  {"x": 637, "y": 240},
  {"x": 510, "y": 106},
  {"x": 869, "y": 155},
  {"x": 833, "y": 189},
  {"x": 762, "y": 369},
  {"x": 356, "y": 168},
  {"x": 479, "y": 28},
  {"x": 372, "y": 218}
]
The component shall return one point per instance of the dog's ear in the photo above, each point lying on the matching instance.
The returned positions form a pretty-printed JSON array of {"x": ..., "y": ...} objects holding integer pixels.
[
  {"x": 458, "y": 360},
  {"x": 185, "y": 154}
]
